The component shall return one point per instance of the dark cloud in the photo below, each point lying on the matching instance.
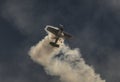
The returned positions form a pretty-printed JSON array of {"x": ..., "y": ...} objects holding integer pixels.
[{"x": 94, "y": 25}]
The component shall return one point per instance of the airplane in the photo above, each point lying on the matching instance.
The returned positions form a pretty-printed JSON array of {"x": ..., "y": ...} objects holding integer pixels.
[{"x": 59, "y": 33}]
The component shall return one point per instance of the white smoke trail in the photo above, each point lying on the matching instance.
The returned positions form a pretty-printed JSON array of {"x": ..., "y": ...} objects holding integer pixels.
[{"x": 69, "y": 66}]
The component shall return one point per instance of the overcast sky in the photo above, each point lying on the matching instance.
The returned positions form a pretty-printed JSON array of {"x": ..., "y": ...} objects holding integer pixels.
[{"x": 95, "y": 25}]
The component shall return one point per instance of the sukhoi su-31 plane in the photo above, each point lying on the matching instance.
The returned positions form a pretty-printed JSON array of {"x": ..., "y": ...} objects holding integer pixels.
[{"x": 59, "y": 33}]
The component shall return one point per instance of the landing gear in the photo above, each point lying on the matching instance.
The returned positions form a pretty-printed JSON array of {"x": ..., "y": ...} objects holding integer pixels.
[{"x": 54, "y": 44}]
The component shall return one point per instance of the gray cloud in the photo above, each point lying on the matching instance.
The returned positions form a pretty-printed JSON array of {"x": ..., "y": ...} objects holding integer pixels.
[{"x": 95, "y": 25}]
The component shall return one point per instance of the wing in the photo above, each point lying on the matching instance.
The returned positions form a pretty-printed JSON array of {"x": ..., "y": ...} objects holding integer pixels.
[
  {"x": 52, "y": 30},
  {"x": 67, "y": 35}
]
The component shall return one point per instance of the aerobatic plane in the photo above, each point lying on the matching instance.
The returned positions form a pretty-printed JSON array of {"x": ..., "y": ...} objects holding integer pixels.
[{"x": 59, "y": 33}]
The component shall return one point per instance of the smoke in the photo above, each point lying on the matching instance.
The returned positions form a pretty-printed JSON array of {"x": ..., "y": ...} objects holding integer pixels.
[{"x": 69, "y": 66}]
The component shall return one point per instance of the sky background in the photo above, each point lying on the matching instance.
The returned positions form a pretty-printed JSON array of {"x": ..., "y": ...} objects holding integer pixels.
[{"x": 95, "y": 25}]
